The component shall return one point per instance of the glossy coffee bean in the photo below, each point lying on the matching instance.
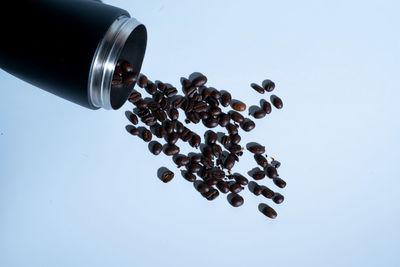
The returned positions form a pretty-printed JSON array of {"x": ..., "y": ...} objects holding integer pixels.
[
  {"x": 216, "y": 94},
  {"x": 238, "y": 106},
  {"x": 157, "y": 148},
  {"x": 231, "y": 128},
  {"x": 167, "y": 176},
  {"x": 259, "y": 114},
  {"x": 257, "y": 149},
  {"x": 130, "y": 78},
  {"x": 179, "y": 127},
  {"x": 143, "y": 81},
  {"x": 225, "y": 140},
  {"x": 211, "y": 137},
  {"x": 235, "y": 187},
  {"x": 226, "y": 99},
  {"x": 272, "y": 172},
  {"x": 257, "y": 190},
  {"x": 151, "y": 88},
  {"x": 258, "y": 175},
  {"x": 268, "y": 211},
  {"x": 195, "y": 141},
  {"x": 235, "y": 139},
  {"x": 161, "y": 86},
  {"x": 186, "y": 83},
  {"x": 229, "y": 162},
  {"x": 170, "y": 92},
  {"x": 210, "y": 122},
  {"x": 134, "y": 131},
  {"x": 224, "y": 119},
  {"x": 278, "y": 198},
  {"x": 165, "y": 104},
  {"x": 160, "y": 115},
  {"x": 200, "y": 106},
  {"x": 248, "y": 125},
  {"x": 134, "y": 119},
  {"x": 236, "y": 116},
  {"x": 279, "y": 182},
  {"x": 266, "y": 106},
  {"x": 173, "y": 114},
  {"x": 240, "y": 179},
  {"x": 116, "y": 80},
  {"x": 269, "y": 85},
  {"x": 212, "y": 101},
  {"x": 276, "y": 101},
  {"x": 194, "y": 168},
  {"x": 218, "y": 174},
  {"x": 135, "y": 97},
  {"x": 275, "y": 164},
  {"x": 141, "y": 104},
  {"x": 159, "y": 131},
  {"x": 146, "y": 135},
  {"x": 235, "y": 149},
  {"x": 202, "y": 187},
  {"x": 172, "y": 138},
  {"x": 171, "y": 150},
  {"x": 205, "y": 93},
  {"x": 181, "y": 160},
  {"x": 199, "y": 81},
  {"x": 223, "y": 187},
  {"x": 126, "y": 67},
  {"x": 196, "y": 158},
  {"x": 236, "y": 200},
  {"x": 266, "y": 192},
  {"x": 257, "y": 88},
  {"x": 261, "y": 160},
  {"x": 169, "y": 126},
  {"x": 190, "y": 177},
  {"x": 177, "y": 103},
  {"x": 214, "y": 111},
  {"x": 212, "y": 194}
]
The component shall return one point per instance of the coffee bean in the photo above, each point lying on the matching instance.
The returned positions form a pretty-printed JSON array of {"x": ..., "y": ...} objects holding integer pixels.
[
  {"x": 278, "y": 198},
  {"x": 181, "y": 160},
  {"x": 235, "y": 139},
  {"x": 194, "y": 167},
  {"x": 159, "y": 131},
  {"x": 211, "y": 137},
  {"x": 266, "y": 192},
  {"x": 240, "y": 179},
  {"x": 116, "y": 80},
  {"x": 186, "y": 83},
  {"x": 205, "y": 93},
  {"x": 212, "y": 194},
  {"x": 279, "y": 182},
  {"x": 232, "y": 128},
  {"x": 235, "y": 187},
  {"x": 157, "y": 148},
  {"x": 208, "y": 163},
  {"x": 179, "y": 127},
  {"x": 161, "y": 86},
  {"x": 134, "y": 131},
  {"x": 266, "y": 106},
  {"x": 223, "y": 187},
  {"x": 272, "y": 172},
  {"x": 226, "y": 99},
  {"x": 171, "y": 150},
  {"x": 130, "y": 78},
  {"x": 229, "y": 162},
  {"x": 196, "y": 158},
  {"x": 135, "y": 97},
  {"x": 259, "y": 114},
  {"x": 143, "y": 81},
  {"x": 173, "y": 114},
  {"x": 234, "y": 149},
  {"x": 275, "y": 164},
  {"x": 167, "y": 176},
  {"x": 172, "y": 138},
  {"x": 236, "y": 116},
  {"x": 134, "y": 119},
  {"x": 225, "y": 140},
  {"x": 118, "y": 71},
  {"x": 267, "y": 211},
  {"x": 224, "y": 119},
  {"x": 218, "y": 174},
  {"x": 210, "y": 122},
  {"x": 261, "y": 160},
  {"x": 238, "y": 106},
  {"x": 153, "y": 105},
  {"x": 160, "y": 115},
  {"x": 149, "y": 118},
  {"x": 258, "y": 175},
  {"x": 164, "y": 104},
  {"x": 200, "y": 106},
  {"x": 157, "y": 97},
  {"x": 195, "y": 141},
  {"x": 143, "y": 112},
  {"x": 190, "y": 177},
  {"x": 257, "y": 190},
  {"x": 256, "y": 149},
  {"x": 248, "y": 125},
  {"x": 169, "y": 126},
  {"x": 212, "y": 101},
  {"x": 170, "y": 92},
  {"x": 203, "y": 115},
  {"x": 186, "y": 135},
  {"x": 214, "y": 111},
  {"x": 276, "y": 101},
  {"x": 126, "y": 66},
  {"x": 146, "y": 135},
  {"x": 199, "y": 81},
  {"x": 141, "y": 104},
  {"x": 216, "y": 150},
  {"x": 236, "y": 200},
  {"x": 177, "y": 103},
  {"x": 258, "y": 88},
  {"x": 202, "y": 187},
  {"x": 269, "y": 85},
  {"x": 216, "y": 94}
]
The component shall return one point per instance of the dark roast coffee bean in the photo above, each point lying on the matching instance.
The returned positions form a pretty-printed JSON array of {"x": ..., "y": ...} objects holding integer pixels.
[
  {"x": 236, "y": 116},
  {"x": 157, "y": 148},
  {"x": 212, "y": 101},
  {"x": 235, "y": 139},
  {"x": 134, "y": 119},
  {"x": 268, "y": 211},
  {"x": 194, "y": 167},
  {"x": 169, "y": 126},
  {"x": 130, "y": 78},
  {"x": 224, "y": 119},
  {"x": 196, "y": 158},
  {"x": 211, "y": 137},
  {"x": 272, "y": 172},
  {"x": 181, "y": 160},
  {"x": 276, "y": 101},
  {"x": 269, "y": 85},
  {"x": 205, "y": 93},
  {"x": 143, "y": 112},
  {"x": 207, "y": 152},
  {"x": 240, "y": 179},
  {"x": 190, "y": 177},
  {"x": 160, "y": 115},
  {"x": 216, "y": 94},
  {"x": 257, "y": 149},
  {"x": 167, "y": 176},
  {"x": 170, "y": 92},
  {"x": 266, "y": 192},
  {"x": 214, "y": 111},
  {"x": 173, "y": 114},
  {"x": 160, "y": 131},
  {"x": 279, "y": 182},
  {"x": 216, "y": 150},
  {"x": 172, "y": 138},
  {"x": 194, "y": 117},
  {"x": 161, "y": 86},
  {"x": 234, "y": 149},
  {"x": 229, "y": 162},
  {"x": 258, "y": 175},
  {"x": 208, "y": 163},
  {"x": 197, "y": 97},
  {"x": 226, "y": 99},
  {"x": 177, "y": 103},
  {"x": 203, "y": 115},
  {"x": 235, "y": 187},
  {"x": 186, "y": 83},
  {"x": 259, "y": 114},
  {"x": 186, "y": 135},
  {"x": 116, "y": 80},
  {"x": 126, "y": 66},
  {"x": 278, "y": 198},
  {"x": 248, "y": 125},
  {"x": 202, "y": 187},
  {"x": 143, "y": 81},
  {"x": 157, "y": 97},
  {"x": 258, "y": 88},
  {"x": 199, "y": 81},
  {"x": 257, "y": 190},
  {"x": 134, "y": 131},
  {"x": 210, "y": 122},
  {"x": 191, "y": 91},
  {"x": 135, "y": 97},
  {"x": 261, "y": 160},
  {"x": 200, "y": 106},
  {"x": 238, "y": 106},
  {"x": 164, "y": 104},
  {"x": 171, "y": 150},
  {"x": 179, "y": 127},
  {"x": 151, "y": 88},
  {"x": 148, "y": 118},
  {"x": 236, "y": 200},
  {"x": 153, "y": 105},
  {"x": 212, "y": 194},
  {"x": 141, "y": 104},
  {"x": 146, "y": 135},
  {"x": 118, "y": 71},
  {"x": 231, "y": 128},
  {"x": 223, "y": 187},
  {"x": 266, "y": 106},
  {"x": 276, "y": 164},
  {"x": 225, "y": 140},
  {"x": 195, "y": 141}
]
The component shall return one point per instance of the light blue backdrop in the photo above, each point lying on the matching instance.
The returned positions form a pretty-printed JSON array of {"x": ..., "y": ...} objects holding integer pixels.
[{"x": 77, "y": 190}]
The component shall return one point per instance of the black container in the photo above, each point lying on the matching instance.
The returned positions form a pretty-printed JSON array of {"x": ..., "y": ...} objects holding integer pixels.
[{"x": 70, "y": 47}]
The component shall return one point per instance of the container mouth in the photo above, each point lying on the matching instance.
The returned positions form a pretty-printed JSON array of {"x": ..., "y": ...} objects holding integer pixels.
[{"x": 126, "y": 39}]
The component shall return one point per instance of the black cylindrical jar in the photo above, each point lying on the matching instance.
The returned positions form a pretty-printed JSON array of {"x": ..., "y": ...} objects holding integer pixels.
[{"x": 70, "y": 47}]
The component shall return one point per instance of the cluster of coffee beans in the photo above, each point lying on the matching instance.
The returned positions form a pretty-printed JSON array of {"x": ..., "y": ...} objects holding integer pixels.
[{"x": 210, "y": 169}]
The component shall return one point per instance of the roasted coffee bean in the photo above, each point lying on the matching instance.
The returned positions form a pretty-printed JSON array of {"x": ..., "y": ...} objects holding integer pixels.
[
  {"x": 261, "y": 160},
  {"x": 271, "y": 172},
  {"x": 161, "y": 86},
  {"x": 151, "y": 88},
  {"x": 278, "y": 198},
  {"x": 159, "y": 131},
  {"x": 266, "y": 106},
  {"x": 130, "y": 78},
  {"x": 236, "y": 200},
  {"x": 170, "y": 92},
  {"x": 196, "y": 158},
  {"x": 189, "y": 92},
  {"x": 218, "y": 174},
  {"x": 160, "y": 115},
  {"x": 225, "y": 140},
  {"x": 205, "y": 93},
  {"x": 116, "y": 80},
  {"x": 173, "y": 114},
  {"x": 226, "y": 99},
  {"x": 236, "y": 116},
  {"x": 232, "y": 128},
  {"x": 279, "y": 182},
  {"x": 223, "y": 187},
  {"x": 143, "y": 112},
  {"x": 143, "y": 81},
  {"x": 259, "y": 114},
  {"x": 276, "y": 101},
  {"x": 210, "y": 122},
  {"x": 269, "y": 85},
  {"x": 203, "y": 115},
  {"x": 275, "y": 164},
  {"x": 235, "y": 139},
  {"x": 216, "y": 150},
  {"x": 195, "y": 141},
  {"x": 216, "y": 94},
  {"x": 169, "y": 126},
  {"x": 256, "y": 149},
  {"x": 266, "y": 192},
  {"x": 212, "y": 101},
  {"x": 134, "y": 119},
  {"x": 238, "y": 106},
  {"x": 181, "y": 160},
  {"x": 179, "y": 127},
  {"x": 194, "y": 167},
  {"x": 157, "y": 97},
  {"x": 208, "y": 163},
  {"x": 240, "y": 179},
  {"x": 134, "y": 131},
  {"x": 153, "y": 105},
  {"x": 118, "y": 71},
  {"x": 257, "y": 190},
  {"x": 146, "y": 135},
  {"x": 268, "y": 211},
  {"x": 186, "y": 83},
  {"x": 214, "y": 111},
  {"x": 177, "y": 103},
  {"x": 202, "y": 187},
  {"x": 126, "y": 66},
  {"x": 141, "y": 104},
  {"x": 229, "y": 162},
  {"x": 206, "y": 174},
  {"x": 157, "y": 148},
  {"x": 167, "y": 176},
  {"x": 200, "y": 106},
  {"x": 248, "y": 125},
  {"x": 148, "y": 118},
  {"x": 135, "y": 97},
  {"x": 193, "y": 117},
  {"x": 171, "y": 150},
  {"x": 234, "y": 149},
  {"x": 172, "y": 138},
  {"x": 235, "y": 187},
  {"x": 258, "y": 88},
  {"x": 186, "y": 135},
  {"x": 164, "y": 104},
  {"x": 207, "y": 152},
  {"x": 258, "y": 175},
  {"x": 197, "y": 97},
  {"x": 190, "y": 177},
  {"x": 211, "y": 137},
  {"x": 224, "y": 119},
  {"x": 199, "y": 81},
  {"x": 213, "y": 194}
]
